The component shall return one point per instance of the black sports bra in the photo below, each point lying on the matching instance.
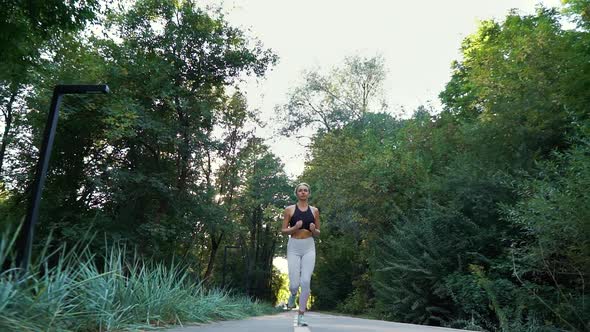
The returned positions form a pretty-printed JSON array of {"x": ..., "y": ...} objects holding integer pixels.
[{"x": 307, "y": 217}]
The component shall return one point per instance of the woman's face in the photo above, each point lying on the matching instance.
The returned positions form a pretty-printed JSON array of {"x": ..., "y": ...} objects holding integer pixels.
[{"x": 302, "y": 192}]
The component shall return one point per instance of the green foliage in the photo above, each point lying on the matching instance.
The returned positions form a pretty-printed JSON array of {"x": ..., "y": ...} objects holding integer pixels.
[
  {"x": 360, "y": 299},
  {"x": 474, "y": 217},
  {"x": 141, "y": 166},
  {"x": 580, "y": 10},
  {"x": 553, "y": 250},
  {"x": 166, "y": 161},
  {"x": 327, "y": 102},
  {"x": 337, "y": 264},
  {"x": 411, "y": 267},
  {"x": 27, "y": 28},
  {"x": 79, "y": 294},
  {"x": 264, "y": 193},
  {"x": 280, "y": 286},
  {"x": 550, "y": 212}
]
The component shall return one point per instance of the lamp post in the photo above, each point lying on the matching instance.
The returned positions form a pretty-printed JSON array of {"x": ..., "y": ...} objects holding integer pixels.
[
  {"x": 247, "y": 262},
  {"x": 24, "y": 241},
  {"x": 225, "y": 262}
]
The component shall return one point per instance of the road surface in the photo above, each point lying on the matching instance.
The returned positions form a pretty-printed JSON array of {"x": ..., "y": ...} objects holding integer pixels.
[{"x": 318, "y": 322}]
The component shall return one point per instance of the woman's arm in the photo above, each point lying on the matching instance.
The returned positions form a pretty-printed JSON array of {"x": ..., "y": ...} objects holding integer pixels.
[
  {"x": 315, "y": 227},
  {"x": 286, "y": 229}
]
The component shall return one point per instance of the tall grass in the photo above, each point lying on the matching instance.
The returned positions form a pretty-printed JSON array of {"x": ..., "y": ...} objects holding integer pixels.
[{"x": 120, "y": 293}]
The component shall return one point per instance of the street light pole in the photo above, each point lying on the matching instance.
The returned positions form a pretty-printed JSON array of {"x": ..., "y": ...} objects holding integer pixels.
[
  {"x": 24, "y": 241},
  {"x": 225, "y": 262}
]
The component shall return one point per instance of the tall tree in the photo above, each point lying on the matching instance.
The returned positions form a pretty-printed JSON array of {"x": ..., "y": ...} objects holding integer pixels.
[
  {"x": 233, "y": 123},
  {"x": 139, "y": 169},
  {"x": 264, "y": 194},
  {"x": 327, "y": 102},
  {"x": 28, "y": 30},
  {"x": 175, "y": 62}
]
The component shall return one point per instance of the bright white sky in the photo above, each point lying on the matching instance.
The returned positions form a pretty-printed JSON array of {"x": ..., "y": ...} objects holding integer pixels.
[{"x": 418, "y": 39}]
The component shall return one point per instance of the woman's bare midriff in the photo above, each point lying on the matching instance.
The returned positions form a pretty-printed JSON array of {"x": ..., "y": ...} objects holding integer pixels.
[{"x": 301, "y": 234}]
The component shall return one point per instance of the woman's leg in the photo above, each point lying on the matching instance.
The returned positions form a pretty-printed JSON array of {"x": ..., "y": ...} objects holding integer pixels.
[
  {"x": 307, "y": 266},
  {"x": 294, "y": 265}
]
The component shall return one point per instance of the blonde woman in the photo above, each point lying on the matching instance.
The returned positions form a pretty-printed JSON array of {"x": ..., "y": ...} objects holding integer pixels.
[{"x": 302, "y": 223}]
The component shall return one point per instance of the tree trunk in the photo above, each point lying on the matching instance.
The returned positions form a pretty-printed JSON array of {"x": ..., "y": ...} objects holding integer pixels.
[
  {"x": 252, "y": 250},
  {"x": 8, "y": 117},
  {"x": 214, "y": 247},
  {"x": 184, "y": 157}
]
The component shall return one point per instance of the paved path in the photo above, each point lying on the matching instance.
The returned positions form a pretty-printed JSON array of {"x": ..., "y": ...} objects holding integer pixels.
[{"x": 283, "y": 322}]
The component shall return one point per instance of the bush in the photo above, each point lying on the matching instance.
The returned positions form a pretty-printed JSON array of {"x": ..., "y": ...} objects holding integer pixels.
[{"x": 78, "y": 294}]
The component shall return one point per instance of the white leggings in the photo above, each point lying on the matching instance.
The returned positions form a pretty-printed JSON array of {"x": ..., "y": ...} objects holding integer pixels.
[{"x": 301, "y": 261}]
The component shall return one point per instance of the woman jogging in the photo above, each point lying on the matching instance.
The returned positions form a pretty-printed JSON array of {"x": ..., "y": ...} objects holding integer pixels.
[{"x": 302, "y": 222}]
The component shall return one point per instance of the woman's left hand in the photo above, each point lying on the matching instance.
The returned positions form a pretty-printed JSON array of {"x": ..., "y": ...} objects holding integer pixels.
[{"x": 312, "y": 227}]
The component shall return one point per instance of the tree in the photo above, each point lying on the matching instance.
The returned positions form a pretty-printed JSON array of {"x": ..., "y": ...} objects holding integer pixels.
[
  {"x": 263, "y": 196},
  {"x": 139, "y": 170},
  {"x": 327, "y": 102},
  {"x": 552, "y": 253},
  {"x": 174, "y": 65},
  {"x": 233, "y": 122},
  {"x": 28, "y": 30},
  {"x": 516, "y": 83},
  {"x": 580, "y": 10}
]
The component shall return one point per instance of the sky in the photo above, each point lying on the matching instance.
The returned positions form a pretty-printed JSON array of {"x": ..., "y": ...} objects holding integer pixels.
[{"x": 418, "y": 40}]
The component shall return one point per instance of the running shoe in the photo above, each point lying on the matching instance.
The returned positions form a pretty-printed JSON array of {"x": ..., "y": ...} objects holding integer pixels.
[
  {"x": 291, "y": 302},
  {"x": 301, "y": 321}
]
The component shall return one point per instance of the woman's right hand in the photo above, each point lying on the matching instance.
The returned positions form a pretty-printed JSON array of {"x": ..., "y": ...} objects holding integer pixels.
[{"x": 299, "y": 224}]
